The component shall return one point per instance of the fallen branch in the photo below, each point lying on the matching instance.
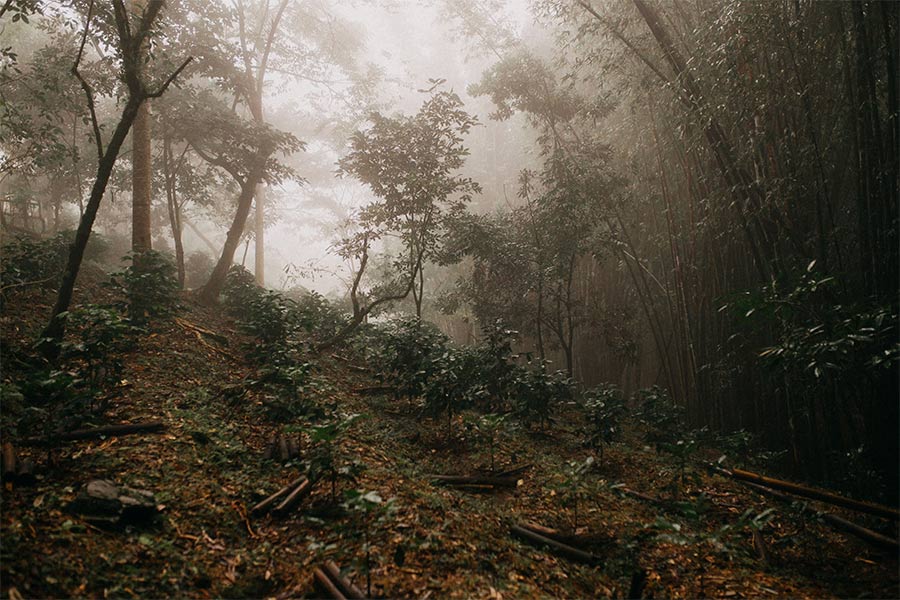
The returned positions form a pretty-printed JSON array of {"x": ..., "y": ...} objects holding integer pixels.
[
  {"x": 816, "y": 494},
  {"x": 374, "y": 390},
  {"x": 513, "y": 472},
  {"x": 867, "y": 535},
  {"x": 96, "y": 432},
  {"x": 200, "y": 330},
  {"x": 327, "y": 585},
  {"x": 300, "y": 492},
  {"x": 642, "y": 496},
  {"x": 457, "y": 480},
  {"x": 556, "y": 546},
  {"x": 873, "y": 537},
  {"x": 345, "y": 585},
  {"x": 568, "y": 539},
  {"x": 266, "y": 504}
]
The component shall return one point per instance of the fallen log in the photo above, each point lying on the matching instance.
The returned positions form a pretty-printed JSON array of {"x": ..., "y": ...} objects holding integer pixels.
[
  {"x": 9, "y": 461},
  {"x": 266, "y": 504},
  {"x": 571, "y": 539},
  {"x": 513, "y": 472},
  {"x": 205, "y": 332},
  {"x": 556, "y": 546},
  {"x": 817, "y": 494},
  {"x": 457, "y": 480},
  {"x": 873, "y": 537},
  {"x": 345, "y": 585},
  {"x": 374, "y": 390},
  {"x": 642, "y": 496},
  {"x": 300, "y": 492},
  {"x": 327, "y": 585},
  {"x": 867, "y": 535},
  {"x": 96, "y": 432}
]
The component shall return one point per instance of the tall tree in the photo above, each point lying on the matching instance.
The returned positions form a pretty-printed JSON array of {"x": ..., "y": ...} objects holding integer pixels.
[
  {"x": 131, "y": 38},
  {"x": 141, "y": 157}
]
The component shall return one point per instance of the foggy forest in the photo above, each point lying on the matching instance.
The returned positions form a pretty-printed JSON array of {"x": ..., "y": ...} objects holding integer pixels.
[{"x": 449, "y": 299}]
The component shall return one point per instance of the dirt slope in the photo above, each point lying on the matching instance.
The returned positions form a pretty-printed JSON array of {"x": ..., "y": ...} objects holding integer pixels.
[{"x": 207, "y": 468}]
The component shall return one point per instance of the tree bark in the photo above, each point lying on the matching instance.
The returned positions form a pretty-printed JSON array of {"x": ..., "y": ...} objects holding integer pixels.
[
  {"x": 259, "y": 235},
  {"x": 209, "y": 293},
  {"x": 141, "y": 161}
]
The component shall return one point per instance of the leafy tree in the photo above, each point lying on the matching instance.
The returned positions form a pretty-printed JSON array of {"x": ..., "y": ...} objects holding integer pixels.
[
  {"x": 410, "y": 164},
  {"x": 130, "y": 40}
]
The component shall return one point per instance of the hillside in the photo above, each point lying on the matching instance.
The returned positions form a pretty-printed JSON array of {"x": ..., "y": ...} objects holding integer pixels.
[{"x": 207, "y": 468}]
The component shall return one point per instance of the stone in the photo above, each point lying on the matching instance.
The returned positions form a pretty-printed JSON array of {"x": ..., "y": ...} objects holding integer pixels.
[{"x": 102, "y": 502}]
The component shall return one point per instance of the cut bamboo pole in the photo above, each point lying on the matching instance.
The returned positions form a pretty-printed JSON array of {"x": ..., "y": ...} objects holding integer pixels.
[
  {"x": 513, "y": 472},
  {"x": 816, "y": 494},
  {"x": 266, "y": 504},
  {"x": 327, "y": 584},
  {"x": 344, "y": 584},
  {"x": 476, "y": 480},
  {"x": 96, "y": 432},
  {"x": 293, "y": 498},
  {"x": 867, "y": 535},
  {"x": 558, "y": 547}
]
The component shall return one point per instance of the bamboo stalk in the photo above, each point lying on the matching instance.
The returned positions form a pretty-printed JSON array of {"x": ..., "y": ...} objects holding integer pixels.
[
  {"x": 559, "y": 547},
  {"x": 816, "y": 494},
  {"x": 322, "y": 580},
  {"x": 96, "y": 432},
  {"x": 268, "y": 502},
  {"x": 346, "y": 586},
  {"x": 293, "y": 498},
  {"x": 476, "y": 480}
]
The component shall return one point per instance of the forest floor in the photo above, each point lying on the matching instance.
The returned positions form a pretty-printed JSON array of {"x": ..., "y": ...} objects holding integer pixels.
[{"x": 207, "y": 468}]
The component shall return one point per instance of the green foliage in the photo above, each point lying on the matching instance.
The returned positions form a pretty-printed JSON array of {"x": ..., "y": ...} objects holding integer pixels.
[
  {"x": 101, "y": 334},
  {"x": 574, "y": 488},
  {"x": 452, "y": 386},
  {"x": 28, "y": 260},
  {"x": 370, "y": 509},
  {"x": 411, "y": 353},
  {"x": 326, "y": 460},
  {"x": 149, "y": 286},
  {"x": 537, "y": 392},
  {"x": 198, "y": 266},
  {"x": 497, "y": 374},
  {"x": 820, "y": 340},
  {"x": 604, "y": 406},
  {"x": 661, "y": 417},
  {"x": 488, "y": 429}
]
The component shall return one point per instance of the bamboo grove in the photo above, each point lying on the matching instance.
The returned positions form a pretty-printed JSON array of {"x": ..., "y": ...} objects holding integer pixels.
[{"x": 716, "y": 211}]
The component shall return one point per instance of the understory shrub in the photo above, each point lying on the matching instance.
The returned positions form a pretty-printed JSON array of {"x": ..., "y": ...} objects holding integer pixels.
[{"x": 149, "y": 287}]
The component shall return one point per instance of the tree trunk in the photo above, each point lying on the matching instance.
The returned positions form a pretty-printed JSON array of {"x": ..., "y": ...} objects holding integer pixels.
[
  {"x": 141, "y": 159},
  {"x": 209, "y": 293},
  {"x": 140, "y": 181},
  {"x": 56, "y": 328},
  {"x": 259, "y": 234},
  {"x": 174, "y": 208}
]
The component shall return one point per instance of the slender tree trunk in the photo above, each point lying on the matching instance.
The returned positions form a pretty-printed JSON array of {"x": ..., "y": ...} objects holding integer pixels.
[
  {"x": 209, "y": 293},
  {"x": 174, "y": 208},
  {"x": 53, "y": 334},
  {"x": 141, "y": 160},
  {"x": 259, "y": 235},
  {"x": 141, "y": 180}
]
